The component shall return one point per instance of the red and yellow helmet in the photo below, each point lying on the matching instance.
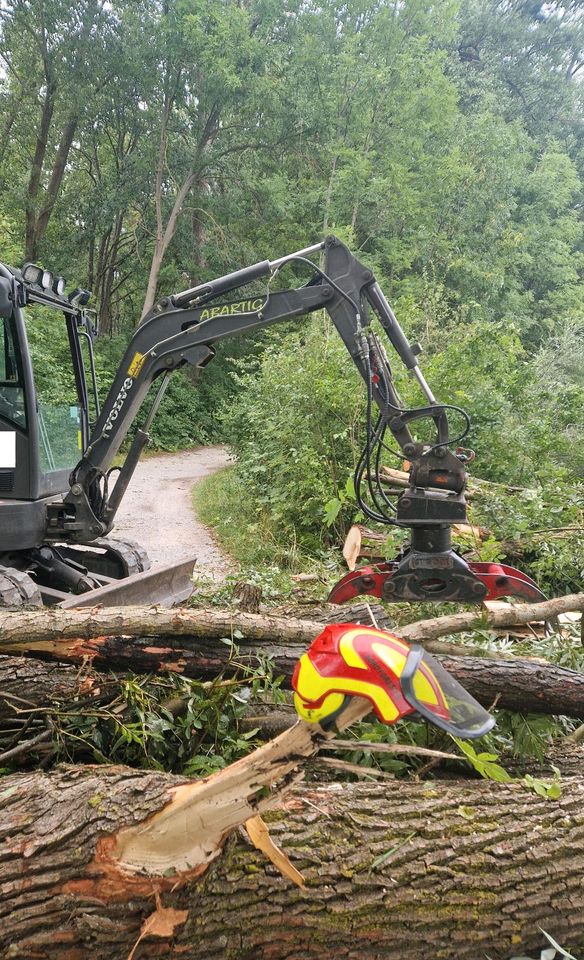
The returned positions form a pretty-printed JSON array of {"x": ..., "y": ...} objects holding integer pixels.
[{"x": 350, "y": 660}]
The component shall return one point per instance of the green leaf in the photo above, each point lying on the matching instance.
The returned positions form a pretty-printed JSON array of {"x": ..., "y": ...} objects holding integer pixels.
[
  {"x": 350, "y": 488},
  {"x": 331, "y": 511}
]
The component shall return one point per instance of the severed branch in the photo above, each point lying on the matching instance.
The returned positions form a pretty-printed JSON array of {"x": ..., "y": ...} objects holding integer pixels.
[
  {"x": 188, "y": 833},
  {"x": 52, "y": 627},
  {"x": 427, "y": 630}
]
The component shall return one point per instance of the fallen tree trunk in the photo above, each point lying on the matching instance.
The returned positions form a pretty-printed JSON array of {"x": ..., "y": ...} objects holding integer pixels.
[
  {"x": 53, "y": 692},
  {"x": 26, "y": 683},
  {"x": 526, "y": 686},
  {"x": 50, "y": 626},
  {"x": 421, "y": 871}
]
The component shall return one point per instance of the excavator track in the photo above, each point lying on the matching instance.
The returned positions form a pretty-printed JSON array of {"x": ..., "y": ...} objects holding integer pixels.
[
  {"x": 17, "y": 589},
  {"x": 109, "y": 557}
]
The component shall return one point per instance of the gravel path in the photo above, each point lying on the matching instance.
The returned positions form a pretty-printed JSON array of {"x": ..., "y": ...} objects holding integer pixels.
[{"x": 157, "y": 509}]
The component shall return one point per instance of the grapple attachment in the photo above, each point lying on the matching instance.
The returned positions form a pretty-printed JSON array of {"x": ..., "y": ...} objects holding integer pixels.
[
  {"x": 439, "y": 577},
  {"x": 350, "y": 660}
]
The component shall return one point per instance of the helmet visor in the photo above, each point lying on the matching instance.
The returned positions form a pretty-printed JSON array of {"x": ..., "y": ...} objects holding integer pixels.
[{"x": 439, "y": 698}]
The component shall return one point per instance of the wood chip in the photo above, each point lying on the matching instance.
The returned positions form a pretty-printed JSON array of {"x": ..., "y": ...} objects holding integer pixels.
[{"x": 259, "y": 835}]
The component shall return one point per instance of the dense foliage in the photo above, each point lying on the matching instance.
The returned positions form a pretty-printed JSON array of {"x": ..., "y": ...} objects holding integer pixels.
[{"x": 149, "y": 146}]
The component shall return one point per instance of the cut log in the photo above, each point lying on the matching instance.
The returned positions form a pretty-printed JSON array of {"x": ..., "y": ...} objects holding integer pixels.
[
  {"x": 55, "y": 688},
  {"x": 522, "y": 685},
  {"x": 26, "y": 683},
  {"x": 425, "y": 631},
  {"x": 421, "y": 871}
]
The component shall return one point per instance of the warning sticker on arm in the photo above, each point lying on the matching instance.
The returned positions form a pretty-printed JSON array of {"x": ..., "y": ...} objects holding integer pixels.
[{"x": 136, "y": 364}]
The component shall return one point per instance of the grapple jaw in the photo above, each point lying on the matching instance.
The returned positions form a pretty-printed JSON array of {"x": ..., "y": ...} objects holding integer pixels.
[
  {"x": 348, "y": 660},
  {"x": 455, "y": 581},
  {"x": 432, "y": 570}
]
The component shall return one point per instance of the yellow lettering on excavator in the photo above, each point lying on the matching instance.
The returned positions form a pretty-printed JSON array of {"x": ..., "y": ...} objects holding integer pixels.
[
  {"x": 136, "y": 365},
  {"x": 232, "y": 309}
]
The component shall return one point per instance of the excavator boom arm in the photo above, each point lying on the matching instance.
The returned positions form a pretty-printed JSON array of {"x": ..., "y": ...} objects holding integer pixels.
[{"x": 183, "y": 329}]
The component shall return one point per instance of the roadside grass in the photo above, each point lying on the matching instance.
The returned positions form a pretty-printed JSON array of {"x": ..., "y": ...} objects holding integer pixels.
[
  {"x": 247, "y": 533},
  {"x": 242, "y": 529}
]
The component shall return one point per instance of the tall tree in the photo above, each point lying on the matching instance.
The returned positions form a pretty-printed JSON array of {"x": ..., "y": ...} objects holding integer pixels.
[
  {"x": 62, "y": 45},
  {"x": 210, "y": 99}
]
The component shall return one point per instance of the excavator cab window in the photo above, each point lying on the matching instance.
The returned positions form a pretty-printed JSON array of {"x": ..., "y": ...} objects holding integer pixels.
[
  {"x": 12, "y": 407},
  {"x": 58, "y": 406}
]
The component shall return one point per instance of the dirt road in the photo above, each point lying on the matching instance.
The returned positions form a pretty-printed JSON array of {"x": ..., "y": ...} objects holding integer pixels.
[{"x": 157, "y": 509}]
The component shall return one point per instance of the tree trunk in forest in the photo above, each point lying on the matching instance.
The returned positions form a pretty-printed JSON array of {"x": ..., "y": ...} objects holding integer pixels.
[
  {"x": 34, "y": 181},
  {"x": 54, "y": 186},
  {"x": 105, "y": 275},
  {"x": 425, "y": 871}
]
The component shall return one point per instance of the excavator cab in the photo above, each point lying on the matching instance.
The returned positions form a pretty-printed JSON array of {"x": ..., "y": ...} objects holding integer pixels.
[
  {"x": 42, "y": 432},
  {"x": 45, "y": 423}
]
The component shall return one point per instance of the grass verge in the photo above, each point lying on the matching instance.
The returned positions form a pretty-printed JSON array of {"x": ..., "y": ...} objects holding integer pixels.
[{"x": 222, "y": 503}]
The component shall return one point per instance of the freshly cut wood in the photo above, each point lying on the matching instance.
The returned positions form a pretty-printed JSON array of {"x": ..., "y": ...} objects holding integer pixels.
[
  {"x": 413, "y": 870},
  {"x": 352, "y": 546},
  {"x": 398, "y": 477}
]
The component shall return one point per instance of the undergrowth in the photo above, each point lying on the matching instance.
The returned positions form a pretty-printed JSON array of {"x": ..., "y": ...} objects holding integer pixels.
[
  {"x": 248, "y": 532},
  {"x": 170, "y": 722}
]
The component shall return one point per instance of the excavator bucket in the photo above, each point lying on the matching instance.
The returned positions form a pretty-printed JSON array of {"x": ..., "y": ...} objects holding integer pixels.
[{"x": 161, "y": 585}]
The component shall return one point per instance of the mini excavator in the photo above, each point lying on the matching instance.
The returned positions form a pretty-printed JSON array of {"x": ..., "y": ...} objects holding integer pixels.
[{"x": 59, "y": 498}]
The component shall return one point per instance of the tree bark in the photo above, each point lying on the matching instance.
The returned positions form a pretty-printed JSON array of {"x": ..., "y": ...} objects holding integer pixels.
[
  {"x": 56, "y": 179},
  {"x": 34, "y": 182},
  {"x": 248, "y": 595},
  {"x": 427, "y": 871},
  {"x": 32, "y": 683},
  {"x": 526, "y": 686},
  {"x": 48, "y": 625}
]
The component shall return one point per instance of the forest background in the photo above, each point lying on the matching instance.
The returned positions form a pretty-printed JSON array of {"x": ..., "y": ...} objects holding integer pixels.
[{"x": 149, "y": 146}]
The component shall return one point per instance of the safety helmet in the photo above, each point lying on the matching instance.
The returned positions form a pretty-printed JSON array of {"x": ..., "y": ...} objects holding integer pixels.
[{"x": 398, "y": 679}]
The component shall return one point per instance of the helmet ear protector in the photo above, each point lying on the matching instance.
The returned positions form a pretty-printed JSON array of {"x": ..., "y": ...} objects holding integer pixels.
[{"x": 350, "y": 660}]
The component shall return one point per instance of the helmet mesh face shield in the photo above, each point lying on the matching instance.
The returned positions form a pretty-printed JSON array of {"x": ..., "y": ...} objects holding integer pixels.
[{"x": 438, "y": 697}]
